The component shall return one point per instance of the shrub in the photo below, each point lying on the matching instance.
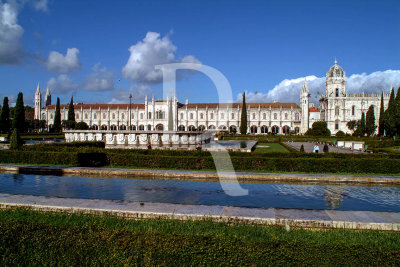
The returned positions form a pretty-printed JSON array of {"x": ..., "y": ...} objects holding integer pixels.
[
  {"x": 340, "y": 134},
  {"x": 302, "y": 149},
  {"x": 81, "y": 126},
  {"x": 16, "y": 141}
]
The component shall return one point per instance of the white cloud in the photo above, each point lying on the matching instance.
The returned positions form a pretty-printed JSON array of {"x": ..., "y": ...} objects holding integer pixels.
[
  {"x": 152, "y": 50},
  {"x": 58, "y": 63},
  {"x": 11, "y": 52},
  {"x": 41, "y": 5},
  {"x": 101, "y": 80},
  {"x": 289, "y": 89},
  {"x": 138, "y": 92},
  {"x": 62, "y": 84}
]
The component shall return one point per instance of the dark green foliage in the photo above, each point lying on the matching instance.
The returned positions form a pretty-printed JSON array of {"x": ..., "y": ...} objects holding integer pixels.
[
  {"x": 71, "y": 110},
  {"x": 5, "y": 123},
  {"x": 57, "y": 117},
  {"x": 69, "y": 125},
  {"x": 381, "y": 127},
  {"x": 15, "y": 140},
  {"x": 360, "y": 131},
  {"x": 397, "y": 112},
  {"x": 390, "y": 116},
  {"x": 352, "y": 125},
  {"x": 93, "y": 159},
  {"x": 319, "y": 128},
  {"x": 370, "y": 121},
  {"x": 302, "y": 149},
  {"x": 19, "y": 114},
  {"x": 243, "y": 118},
  {"x": 81, "y": 126},
  {"x": 61, "y": 239},
  {"x": 340, "y": 134}
]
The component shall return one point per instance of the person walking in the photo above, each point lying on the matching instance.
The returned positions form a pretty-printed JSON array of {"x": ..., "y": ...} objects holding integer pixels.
[
  {"x": 326, "y": 148},
  {"x": 316, "y": 148}
]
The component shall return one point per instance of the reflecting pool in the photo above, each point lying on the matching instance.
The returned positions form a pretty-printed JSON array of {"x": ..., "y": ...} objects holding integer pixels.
[{"x": 283, "y": 195}]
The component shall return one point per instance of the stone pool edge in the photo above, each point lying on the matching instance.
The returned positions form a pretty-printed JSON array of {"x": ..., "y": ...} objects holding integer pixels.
[
  {"x": 206, "y": 175},
  {"x": 314, "y": 219}
]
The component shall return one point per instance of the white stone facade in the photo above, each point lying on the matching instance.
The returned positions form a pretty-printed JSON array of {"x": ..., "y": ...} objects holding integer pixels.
[{"x": 337, "y": 107}]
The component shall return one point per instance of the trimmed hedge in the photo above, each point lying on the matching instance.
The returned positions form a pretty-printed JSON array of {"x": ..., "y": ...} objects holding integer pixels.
[{"x": 38, "y": 157}]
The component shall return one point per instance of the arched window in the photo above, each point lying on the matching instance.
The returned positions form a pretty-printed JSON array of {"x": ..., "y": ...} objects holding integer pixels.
[
  {"x": 285, "y": 129},
  {"x": 104, "y": 116},
  {"x": 149, "y": 115},
  {"x": 337, "y": 111},
  {"x": 95, "y": 116},
  {"x": 211, "y": 116},
  {"x": 253, "y": 129},
  {"x": 51, "y": 116},
  {"x": 211, "y": 127},
  {"x": 191, "y": 128},
  {"x": 181, "y": 128},
  {"x": 264, "y": 129},
  {"x": 254, "y": 116},
  {"x": 297, "y": 130},
  {"x": 275, "y": 116},
  {"x": 232, "y": 129},
  {"x": 149, "y": 127},
  {"x": 141, "y": 116},
  {"x": 201, "y": 116},
  {"x": 181, "y": 116},
  {"x": 141, "y": 127},
  {"x": 297, "y": 116},
  {"x": 113, "y": 116},
  {"x": 222, "y": 127},
  {"x": 264, "y": 116},
  {"x": 202, "y": 128},
  {"x": 233, "y": 116},
  {"x": 337, "y": 92},
  {"x": 113, "y": 127},
  {"x": 160, "y": 127},
  {"x": 123, "y": 116},
  {"x": 222, "y": 116},
  {"x": 337, "y": 125},
  {"x": 275, "y": 129},
  {"x": 191, "y": 115},
  {"x": 122, "y": 127},
  {"x": 286, "y": 116},
  {"x": 353, "y": 110},
  {"x": 86, "y": 116}
]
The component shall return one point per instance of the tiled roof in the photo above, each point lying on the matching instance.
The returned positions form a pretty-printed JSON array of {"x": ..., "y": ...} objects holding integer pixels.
[
  {"x": 249, "y": 105},
  {"x": 97, "y": 106},
  {"x": 312, "y": 109}
]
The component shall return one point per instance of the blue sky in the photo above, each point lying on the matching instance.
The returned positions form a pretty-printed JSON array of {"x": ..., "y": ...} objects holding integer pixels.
[{"x": 266, "y": 48}]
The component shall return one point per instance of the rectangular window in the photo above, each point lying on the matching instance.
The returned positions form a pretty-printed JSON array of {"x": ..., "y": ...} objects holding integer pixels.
[
  {"x": 212, "y": 116},
  {"x": 222, "y": 116},
  {"x": 201, "y": 116},
  {"x": 233, "y": 116}
]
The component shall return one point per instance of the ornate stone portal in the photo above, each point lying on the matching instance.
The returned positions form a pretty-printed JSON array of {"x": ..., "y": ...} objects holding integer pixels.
[{"x": 141, "y": 139}]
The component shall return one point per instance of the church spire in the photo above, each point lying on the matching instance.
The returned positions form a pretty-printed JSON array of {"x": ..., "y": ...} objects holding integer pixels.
[
  {"x": 37, "y": 88},
  {"x": 335, "y": 61}
]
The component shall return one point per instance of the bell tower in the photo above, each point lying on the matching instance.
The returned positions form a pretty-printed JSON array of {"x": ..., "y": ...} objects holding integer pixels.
[
  {"x": 335, "y": 82},
  {"x": 38, "y": 103},
  {"x": 304, "y": 104}
]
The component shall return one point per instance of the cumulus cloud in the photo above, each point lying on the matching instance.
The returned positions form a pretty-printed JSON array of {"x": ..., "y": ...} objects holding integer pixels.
[
  {"x": 289, "y": 89},
  {"x": 100, "y": 80},
  {"x": 152, "y": 50},
  {"x": 11, "y": 52},
  {"x": 58, "y": 63},
  {"x": 138, "y": 92},
  {"x": 62, "y": 84}
]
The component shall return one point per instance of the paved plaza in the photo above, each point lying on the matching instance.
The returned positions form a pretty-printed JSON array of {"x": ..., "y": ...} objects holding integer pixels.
[{"x": 309, "y": 146}]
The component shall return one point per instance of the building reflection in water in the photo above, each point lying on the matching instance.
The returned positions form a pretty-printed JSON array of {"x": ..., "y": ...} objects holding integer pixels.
[{"x": 334, "y": 195}]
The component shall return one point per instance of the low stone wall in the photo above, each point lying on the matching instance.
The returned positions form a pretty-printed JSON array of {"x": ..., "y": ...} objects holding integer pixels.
[
  {"x": 353, "y": 145},
  {"x": 140, "y": 139}
]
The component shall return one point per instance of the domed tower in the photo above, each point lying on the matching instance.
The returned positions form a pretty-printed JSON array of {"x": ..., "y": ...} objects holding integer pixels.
[
  {"x": 304, "y": 104},
  {"x": 335, "y": 82}
]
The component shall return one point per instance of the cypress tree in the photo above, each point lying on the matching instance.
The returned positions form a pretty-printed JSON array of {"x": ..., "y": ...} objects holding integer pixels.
[
  {"x": 381, "y": 129},
  {"x": 71, "y": 110},
  {"x": 397, "y": 112},
  {"x": 389, "y": 116},
  {"x": 15, "y": 140},
  {"x": 370, "y": 121},
  {"x": 19, "y": 114},
  {"x": 57, "y": 117},
  {"x": 5, "y": 124},
  {"x": 362, "y": 124},
  {"x": 243, "y": 118}
]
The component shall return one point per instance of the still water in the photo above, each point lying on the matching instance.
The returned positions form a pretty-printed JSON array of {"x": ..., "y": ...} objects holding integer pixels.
[{"x": 300, "y": 196}]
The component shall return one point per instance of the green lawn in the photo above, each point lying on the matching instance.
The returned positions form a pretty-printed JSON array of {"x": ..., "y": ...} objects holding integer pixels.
[
  {"x": 272, "y": 147},
  {"x": 33, "y": 238}
]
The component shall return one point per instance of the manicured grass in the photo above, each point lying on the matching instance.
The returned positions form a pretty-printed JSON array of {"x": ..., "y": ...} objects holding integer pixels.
[
  {"x": 29, "y": 237},
  {"x": 272, "y": 147}
]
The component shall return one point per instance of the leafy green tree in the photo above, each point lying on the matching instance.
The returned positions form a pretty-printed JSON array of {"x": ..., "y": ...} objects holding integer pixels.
[
  {"x": 82, "y": 126},
  {"x": 381, "y": 128},
  {"x": 5, "y": 124},
  {"x": 370, "y": 121},
  {"x": 57, "y": 117},
  {"x": 319, "y": 128},
  {"x": 15, "y": 140},
  {"x": 340, "y": 134},
  {"x": 243, "y": 118},
  {"x": 352, "y": 125},
  {"x": 389, "y": 116},
  {"x": 19, "y": 114}
]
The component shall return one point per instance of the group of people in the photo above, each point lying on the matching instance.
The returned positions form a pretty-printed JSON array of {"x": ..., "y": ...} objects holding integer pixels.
[{"x": 325, "y": 149}]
